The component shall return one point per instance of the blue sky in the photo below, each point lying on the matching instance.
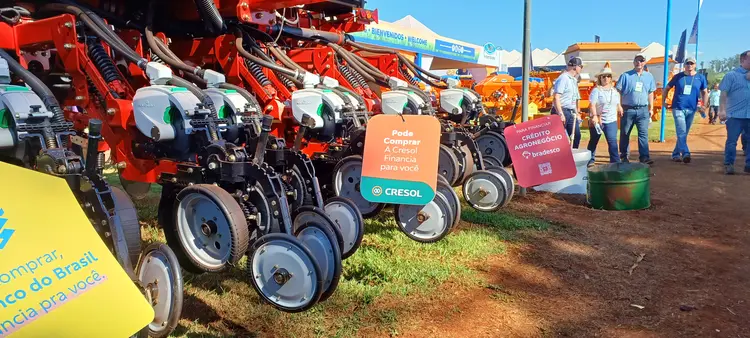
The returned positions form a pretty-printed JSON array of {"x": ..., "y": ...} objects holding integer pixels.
[{"x": 556, "y": 24}]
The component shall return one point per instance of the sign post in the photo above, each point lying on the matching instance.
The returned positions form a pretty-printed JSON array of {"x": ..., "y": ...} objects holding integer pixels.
[
  {"x": 400, "y": 162},
  {"x": 540, "y": 151},
  {"x": 57, "y": 277}
]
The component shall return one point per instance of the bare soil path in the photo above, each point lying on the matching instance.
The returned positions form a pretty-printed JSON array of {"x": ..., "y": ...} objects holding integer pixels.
[{"x": 574, "y": 280}]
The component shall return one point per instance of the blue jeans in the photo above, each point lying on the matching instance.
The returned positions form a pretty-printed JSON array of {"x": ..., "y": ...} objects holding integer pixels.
[
  {"x": 610, "y": 133},
  {"x": 571, "y": 121},
  {"x": 638, "y": 117},
  {"x": 683, "y": 119},
  {"x": 735, "y": 127}
]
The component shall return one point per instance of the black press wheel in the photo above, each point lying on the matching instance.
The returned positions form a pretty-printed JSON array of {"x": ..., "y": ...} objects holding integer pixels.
[
  {"x": 285, "y": 273},
  {"x": 131, "y": 228},
  {"x": 159, "y": 273},
  {"x": 321, "y": 241},
  {"x": 211, "y": 228},
  {"x": 349, "y": 220}
]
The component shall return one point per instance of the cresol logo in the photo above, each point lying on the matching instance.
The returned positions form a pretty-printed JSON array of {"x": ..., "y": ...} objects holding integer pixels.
[
  {"x": 489, "y": 48},
  {"x": 5, "y": 233}
]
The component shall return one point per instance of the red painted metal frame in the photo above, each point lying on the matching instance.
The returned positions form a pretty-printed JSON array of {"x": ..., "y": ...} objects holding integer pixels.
[{"x": 118, "y": 129}]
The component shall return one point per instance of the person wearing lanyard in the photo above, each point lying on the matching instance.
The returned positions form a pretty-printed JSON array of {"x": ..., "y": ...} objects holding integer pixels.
[
  {"x": 603, "y": 111},
  {"x": 734, "y": 107},
  {"x": 566, "y": 95},
  {"x": 636, "y": 88},
  {"x": 688, "y": 85},
  {"x": 713, "y": 108}
]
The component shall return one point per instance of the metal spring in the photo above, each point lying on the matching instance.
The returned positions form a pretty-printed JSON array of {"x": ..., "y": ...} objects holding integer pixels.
[
  {"x": 284, "y": 79},
  {"x": 92, "y": 89},
  {"x": 362, "y": 82},
  {"x": 157, "y": 59},
  {"x": 103, "y": 62},
  {"x": 258, "y": 74},
  {"x": 408, "y": 77},
  {"x": 49, "y": 137},
  {"x": 349, "y": 76},
  {"x": 100, "y": 161}
]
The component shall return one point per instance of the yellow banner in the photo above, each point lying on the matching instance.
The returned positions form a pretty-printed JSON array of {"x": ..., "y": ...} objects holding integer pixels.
[{"x": 57, "y": 278}]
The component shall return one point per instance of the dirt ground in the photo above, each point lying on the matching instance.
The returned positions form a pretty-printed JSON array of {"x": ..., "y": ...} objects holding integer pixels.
[{"x": 575, "y": 280}]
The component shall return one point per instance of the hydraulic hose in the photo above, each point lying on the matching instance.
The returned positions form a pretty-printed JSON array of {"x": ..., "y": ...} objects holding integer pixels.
[
  {"x": 417, "y": 70},
  {"x": 210, "y": 14},
  {"x": 308, "y": 34},
  {"x": 12, "y": 15},
  {"x": 270, "y": 65},
  {"x": 161, "y": 50},
  {"x": 42, "y": 91},
  {"x": 281, "y": 56},
  {"x": 180, "y": 82},
  {"x": 102, "y": 33},
  {"x": 244, "y": 92},
  {"x": 36, "y": 85}
]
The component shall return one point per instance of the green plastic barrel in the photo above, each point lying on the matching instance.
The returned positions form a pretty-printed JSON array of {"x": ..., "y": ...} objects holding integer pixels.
[{"x": 619, "y": 186}]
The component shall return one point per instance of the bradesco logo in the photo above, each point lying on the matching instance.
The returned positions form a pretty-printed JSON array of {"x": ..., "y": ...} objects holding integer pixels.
[
  {"x": 377, "y": 190},
  {"x": 5, "y": 233}
]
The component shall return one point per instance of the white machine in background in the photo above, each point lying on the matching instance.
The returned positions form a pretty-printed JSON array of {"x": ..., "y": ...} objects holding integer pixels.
[
  {"x": 401, "y": 97},
  {"x": 155, "y": 107}
]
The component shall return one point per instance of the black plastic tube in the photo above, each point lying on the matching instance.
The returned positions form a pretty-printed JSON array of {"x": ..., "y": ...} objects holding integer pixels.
[
  {"x": 244, "y": 92},
  {"x": 36, "y": 85},
  {"x": 111, "y": 40},
  {"x": 270, "y": 65},
  {"x": 308, "y": 34},
  {"x": 210, "y": 14}
]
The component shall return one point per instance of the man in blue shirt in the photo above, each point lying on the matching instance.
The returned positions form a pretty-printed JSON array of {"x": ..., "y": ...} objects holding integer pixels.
[
  {"x": 566, "y": 96},
  {"x": 735, "y": 105},
  {"x": 687, "y": 85},
  {"x": 636, "y": 88}
]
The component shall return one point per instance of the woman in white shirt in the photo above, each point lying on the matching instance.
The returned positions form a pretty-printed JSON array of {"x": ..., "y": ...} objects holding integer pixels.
[{"x": 603, "y": 111}]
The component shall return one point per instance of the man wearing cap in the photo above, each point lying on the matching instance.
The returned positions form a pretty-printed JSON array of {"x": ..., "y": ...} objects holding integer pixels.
[
  {"x": 566, "y": 94},
  {"x": 637, "y": 90},
  {"x": 688, "y": 85},
  {"x": 735, "y": 105}
]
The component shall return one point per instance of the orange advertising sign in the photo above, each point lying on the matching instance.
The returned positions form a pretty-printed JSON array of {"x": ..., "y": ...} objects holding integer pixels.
[{"x": 400, "y": 162}]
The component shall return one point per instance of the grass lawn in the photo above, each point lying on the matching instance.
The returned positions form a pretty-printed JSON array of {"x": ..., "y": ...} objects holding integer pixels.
[{"x": 382, "y": 286}]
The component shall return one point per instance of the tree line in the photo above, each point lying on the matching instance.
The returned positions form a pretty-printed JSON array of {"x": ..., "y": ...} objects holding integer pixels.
[{"x": 717, "y": 68}]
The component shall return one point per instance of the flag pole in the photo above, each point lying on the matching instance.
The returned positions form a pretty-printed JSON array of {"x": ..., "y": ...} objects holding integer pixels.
[
  {"x": 526, "y": 67},
  {"x": 697, "y": 24},
  {"x": 666, "y": 71}
]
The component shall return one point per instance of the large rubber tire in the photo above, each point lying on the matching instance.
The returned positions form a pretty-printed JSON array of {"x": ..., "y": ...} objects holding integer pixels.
[
  {"x": 172, "y": 278},
  {"x": 233, "y": 218},
  {"x": 131, "y": 228}
]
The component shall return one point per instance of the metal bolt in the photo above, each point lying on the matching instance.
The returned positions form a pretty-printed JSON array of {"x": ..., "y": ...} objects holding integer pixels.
[
  {"x": 329, "y": 53},
  {"x": 269, "y": 108},
  {"x": 190, "y": 170},
  {"x": 135, "y": 38},
  {"x": 244, "y": 5},
  {"x": 273, "y": 202},
  {"x": 212, "y": 166},
  {"x": 247, "y": 17},
  {"x": 111, "y": 111},
  {"x": 80, "y": 98},
  {"x": 104, "y": 222},
  {"x": 87, "y": 205},
  {"x": 68, "y": 24},
  {"x": 68, "y": 46},
  {"x": 328, "y": 66},
  {"x": 61, "y": 169},
  {"x": 174, "y": 180},
  {"x": 231, "y": 158},
  {"x": 121, "y": 165},
  {"x": 275, "y": 213}
]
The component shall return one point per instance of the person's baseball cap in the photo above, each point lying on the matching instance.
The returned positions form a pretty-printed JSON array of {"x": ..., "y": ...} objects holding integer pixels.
[
  {"x": 690, "y": 60},
  {"x": 575, "y": 61},
  {"x": 640, "y": 57}
]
